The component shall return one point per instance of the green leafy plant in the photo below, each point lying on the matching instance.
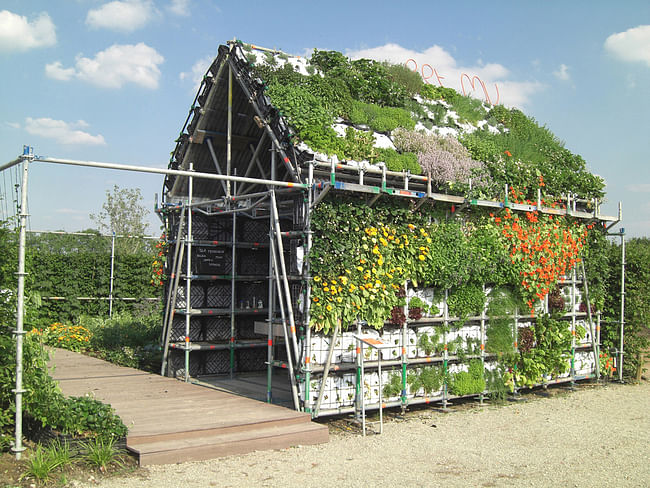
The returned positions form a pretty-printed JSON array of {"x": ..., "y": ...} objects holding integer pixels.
[
  {"x": 468, "y": 382},
  {"x": 101, "y": 452},
  {"x": 44, "y": 461},
  {"x": 428, "y": 378},
  {"x": 393, "y": 387}
]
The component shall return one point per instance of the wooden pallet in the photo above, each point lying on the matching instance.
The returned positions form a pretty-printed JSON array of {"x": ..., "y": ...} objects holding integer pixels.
[{"x": 171, "y": 421}]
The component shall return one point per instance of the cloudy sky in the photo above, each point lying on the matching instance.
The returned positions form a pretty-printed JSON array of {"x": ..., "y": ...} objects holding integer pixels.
[{"x": 113, "y": 80}]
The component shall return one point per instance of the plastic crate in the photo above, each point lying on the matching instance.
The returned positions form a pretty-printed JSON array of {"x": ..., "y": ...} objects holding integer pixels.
[
  {"x": 211, "y": 260},
  {"x": 176, "y": 364},
  {"x": 254, "y": 294},
  {"x": 216, "y": 362},
  {"x": 218, "y": 295},
  {"x": 251, "y": 359},
  {"x": 200, "y": 227},
  {"x": 216, "y": 329},
  {"x": 253, "y": 230},
  {"x": 221, "y": 228},
  {"x": 245, "y": 328},
  {"x": 253, "y": 262},
  {"x": 178, "y": 329},
  {"x": 197, "y": 296}
]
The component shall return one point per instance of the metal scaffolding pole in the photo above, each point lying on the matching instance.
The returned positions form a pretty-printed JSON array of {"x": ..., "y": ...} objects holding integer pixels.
[
  {"x": 621, "y": 346},
  {"x": 110, "y": 292},
  {"x": 28, "y": 155},
  {"x": 188, "y": 274}
]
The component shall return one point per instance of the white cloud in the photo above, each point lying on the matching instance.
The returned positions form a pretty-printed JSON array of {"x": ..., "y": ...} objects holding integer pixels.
[
  {"x": 13, "y": 125},
  {"x": 126, "y": 16},
  {"x": 63, "y": 132},
  {"x": 439, "y": 66},
  {"x": 58, "y": 72},
  {"x": 18, "y": 34},
  {"x": 180, "y": 7},
  {"x": 562, "y": 73},
  {"x": 633, "y": 45},
  {"x": 198, "y": 71},
  {"x": 114, "y": 67}
]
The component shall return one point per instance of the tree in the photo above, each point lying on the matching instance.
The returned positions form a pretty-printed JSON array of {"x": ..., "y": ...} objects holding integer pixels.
[{"x": 124, "y": 214}]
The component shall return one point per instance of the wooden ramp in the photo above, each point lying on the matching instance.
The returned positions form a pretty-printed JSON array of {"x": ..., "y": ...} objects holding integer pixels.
[{"x": 171, "y": 421}]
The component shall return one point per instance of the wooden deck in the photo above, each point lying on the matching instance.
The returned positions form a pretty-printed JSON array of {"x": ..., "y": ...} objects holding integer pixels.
[{"x": 171, "y": 421}]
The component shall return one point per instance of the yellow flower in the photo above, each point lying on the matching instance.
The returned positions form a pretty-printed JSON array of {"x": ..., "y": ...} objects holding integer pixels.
[
  {"x": 329, "y": 308},
  {"x": 334, "y": 282},
  {"x": 411, "y": 226},
  {"x": 352, "y": 287},
  {"x": 326, "y": 288},
  {"x": 421, "y": 257},
  {"x": 380, "y": 261},
  {"x": 339, "y": 299},
  {"x": 316, "y": 279},
  {"x": 360, "y": 268},
  {"x": 344, "y": 280}
]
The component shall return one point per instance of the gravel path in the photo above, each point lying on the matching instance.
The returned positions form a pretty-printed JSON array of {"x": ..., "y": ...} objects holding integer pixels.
[{"x": 595, "y": 436}]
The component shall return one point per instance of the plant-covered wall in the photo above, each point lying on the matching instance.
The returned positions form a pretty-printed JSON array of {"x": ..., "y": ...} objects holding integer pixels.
[{"x": 339, "y": 106}]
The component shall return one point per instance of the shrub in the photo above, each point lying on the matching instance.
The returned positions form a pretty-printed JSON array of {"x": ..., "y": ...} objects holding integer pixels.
[{"x": 468, "y": 382}]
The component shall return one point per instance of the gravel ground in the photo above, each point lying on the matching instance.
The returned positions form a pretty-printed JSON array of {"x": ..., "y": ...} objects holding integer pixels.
[{"x": 595, "y": 436}]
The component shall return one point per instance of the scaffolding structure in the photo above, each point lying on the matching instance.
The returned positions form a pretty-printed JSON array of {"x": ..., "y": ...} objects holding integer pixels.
[{"x": 238, "y": 294}]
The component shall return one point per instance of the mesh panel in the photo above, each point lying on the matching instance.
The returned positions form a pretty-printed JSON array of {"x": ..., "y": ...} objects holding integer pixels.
[
  {"x": 200, "y": 227},
  {"x": 197, "y": 296},
  {"x": 176, "y": 364}
]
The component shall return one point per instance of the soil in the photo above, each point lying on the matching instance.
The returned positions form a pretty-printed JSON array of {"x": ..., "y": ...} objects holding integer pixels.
[{"x": 596, "y": 435}]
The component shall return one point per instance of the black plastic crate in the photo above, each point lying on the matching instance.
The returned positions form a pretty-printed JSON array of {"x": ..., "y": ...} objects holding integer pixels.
[
  {"x": 298, "y": 212},
  {"x": 217, "y": 362},
  {"x": 217, "y": 295},
  {"x": 251, "y": 359},
  {"x": 245, "y": 328},
  {"x": 252, "y": 294},
  {"x": 178, "y": 329},
  {"x": 253, "y": 262},
  {"x": 253, "y": 230},
  {"x": 197, "y": 295},
  {"x": 216, "y": 329},
  {"x": 208, "y": 260},
  {"x": 176, "y": 364},
  {"x": 200, "y": 227},
  {"x": 221, "y": 228}
]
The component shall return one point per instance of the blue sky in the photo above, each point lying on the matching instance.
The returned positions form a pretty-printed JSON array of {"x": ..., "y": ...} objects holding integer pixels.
[{"x": 113, "y": 80}]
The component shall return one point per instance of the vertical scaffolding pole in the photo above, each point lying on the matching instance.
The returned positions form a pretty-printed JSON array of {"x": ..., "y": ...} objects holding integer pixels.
[
  {"x": 404, "y": 358},
  {"x": 271, "y": 298},
  {"x": 110, "y": 293},
  {"x": 307, "y": 275},
  {"x": 621, "y": 345},
  {"x": 233, "y": 285},
  {"x": 188, "y": 274},
  {"x": 574, "y": 277},
  {"x": 28, "y": 155},
  {"x": 445, "y": 357},
  {"x": 229, "y": 135},
  {"x": 482, "y": 332}
]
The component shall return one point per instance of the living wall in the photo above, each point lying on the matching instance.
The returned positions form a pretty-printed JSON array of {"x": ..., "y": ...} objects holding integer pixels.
[
  {"x": 492, "y": 145},
  {"x": 362, "y": 256}
]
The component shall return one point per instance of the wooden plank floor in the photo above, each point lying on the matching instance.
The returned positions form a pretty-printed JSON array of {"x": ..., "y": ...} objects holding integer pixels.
[{"x": 171, "y": 421}]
